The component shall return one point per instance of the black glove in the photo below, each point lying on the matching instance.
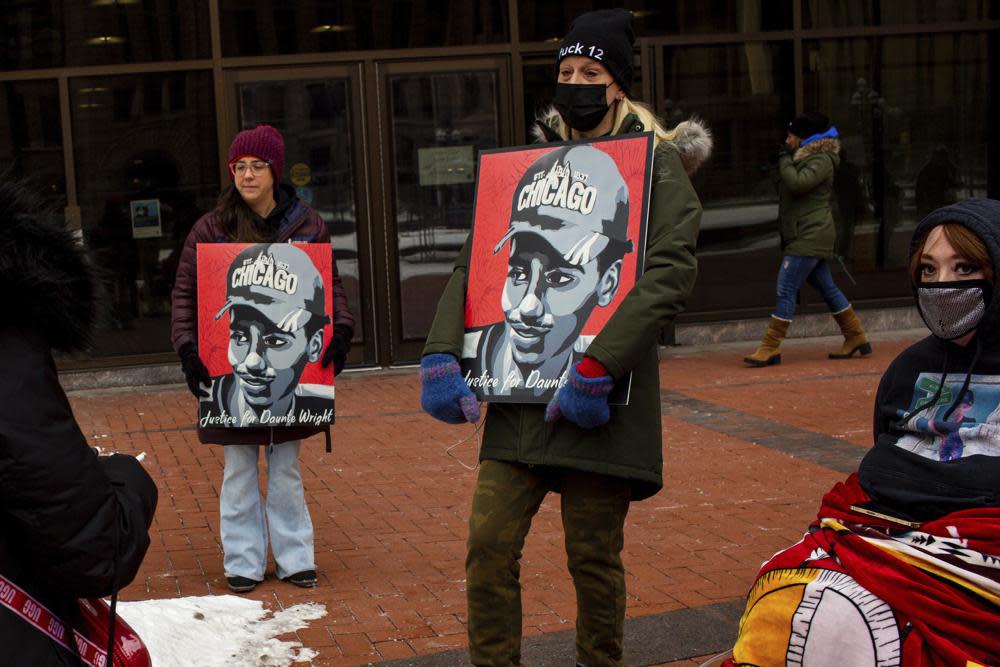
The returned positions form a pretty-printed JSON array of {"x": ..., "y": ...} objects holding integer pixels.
[
  {"x": 194, "y": 371},
  {"x": 783, "y": 150},
  {"x": 135, "y": 489},
  {"x": 336, "y": 351}
]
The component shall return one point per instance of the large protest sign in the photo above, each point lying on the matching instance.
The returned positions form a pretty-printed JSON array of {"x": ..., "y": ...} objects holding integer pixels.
[
  {"x": 557, "y": 242},
  {"x": 264, "y": 319}
]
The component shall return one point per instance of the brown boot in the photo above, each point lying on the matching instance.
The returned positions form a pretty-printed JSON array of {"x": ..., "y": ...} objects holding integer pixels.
[
  {"x": 767, "y": 354},
  {"x": 854, "y": 336}
]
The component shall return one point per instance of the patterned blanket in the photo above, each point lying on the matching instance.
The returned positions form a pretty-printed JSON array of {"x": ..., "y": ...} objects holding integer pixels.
[{"x": 864, "y": 590}]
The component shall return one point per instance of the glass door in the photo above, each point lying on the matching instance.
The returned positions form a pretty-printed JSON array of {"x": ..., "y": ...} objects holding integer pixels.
[
  {"x": 436, "y": 117},
  {"x": 318, "y": 112}
]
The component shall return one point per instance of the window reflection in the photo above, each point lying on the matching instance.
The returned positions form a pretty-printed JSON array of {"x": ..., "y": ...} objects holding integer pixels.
[
  {"x": 914, "y": 130},
  {"x": 101, "y": 32},
  {"x": 439, "y": 124},
  {"x": 542, "y": 20},
  {"x": 309, "y": 26},
  {"x": 745, "y": 94},
  {"x": 314, "y": 118},
  {"x": 31, "y": 136},
  {"x": 146, "y": 169},
  {"x": 856, "y": 13}
]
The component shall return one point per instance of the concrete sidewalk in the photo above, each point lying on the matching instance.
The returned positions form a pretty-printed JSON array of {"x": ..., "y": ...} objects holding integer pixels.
[{"x": 747, "y": 453}]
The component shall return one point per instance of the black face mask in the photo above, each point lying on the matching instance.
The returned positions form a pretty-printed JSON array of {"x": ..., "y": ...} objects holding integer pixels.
[{"x": 582, "y": 105}]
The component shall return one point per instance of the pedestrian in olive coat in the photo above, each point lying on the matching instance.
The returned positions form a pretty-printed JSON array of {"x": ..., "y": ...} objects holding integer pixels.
[
  {"x": 531, "y": 449},
  {"x": 809, "y": 157}
]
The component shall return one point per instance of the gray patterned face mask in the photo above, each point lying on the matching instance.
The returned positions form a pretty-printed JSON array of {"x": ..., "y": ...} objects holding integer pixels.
[{"x": 954, "y": 308}]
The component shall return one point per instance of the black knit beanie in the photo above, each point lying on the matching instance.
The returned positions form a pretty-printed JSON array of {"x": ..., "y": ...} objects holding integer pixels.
[
  {"x": 809, "y": 123},
  {"x": 606, "y": 36}
]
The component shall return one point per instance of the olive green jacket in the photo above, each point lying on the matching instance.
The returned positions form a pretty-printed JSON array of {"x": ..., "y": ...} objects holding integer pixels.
[
  {"x": 630, "y": 444},
  {"x": 804, "y": 188}
]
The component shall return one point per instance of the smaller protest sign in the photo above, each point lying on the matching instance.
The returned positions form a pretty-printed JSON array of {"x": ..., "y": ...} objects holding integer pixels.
[{"x": 264, "y": 319}]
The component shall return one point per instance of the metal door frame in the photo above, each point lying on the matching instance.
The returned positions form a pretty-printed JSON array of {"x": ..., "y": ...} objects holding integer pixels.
[
  {"x": 393, "y": 349},
  {"x": 366, "y": 353}
]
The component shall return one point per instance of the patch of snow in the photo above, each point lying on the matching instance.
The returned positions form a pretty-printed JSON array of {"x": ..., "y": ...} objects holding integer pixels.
[{"x": 219, "y": 631}]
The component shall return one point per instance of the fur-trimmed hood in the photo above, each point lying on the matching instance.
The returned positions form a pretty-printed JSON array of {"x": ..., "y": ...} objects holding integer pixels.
[
  {"x": 692, "y": 138},
  {"x": 828, "y": 145},
  {"x": 47, "y": 282}
]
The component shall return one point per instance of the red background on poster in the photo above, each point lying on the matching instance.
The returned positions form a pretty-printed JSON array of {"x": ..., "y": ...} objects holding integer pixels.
[
  {"x": 499, "y": 174},
  {"x": 213, "y": 335}
]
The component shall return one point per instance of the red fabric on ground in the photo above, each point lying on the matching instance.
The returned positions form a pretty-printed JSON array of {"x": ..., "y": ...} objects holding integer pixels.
[{"x": 954, "y": 625}]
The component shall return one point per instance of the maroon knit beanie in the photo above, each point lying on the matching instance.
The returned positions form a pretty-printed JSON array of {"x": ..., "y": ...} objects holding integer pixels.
[{"x": 262, "y": 142}]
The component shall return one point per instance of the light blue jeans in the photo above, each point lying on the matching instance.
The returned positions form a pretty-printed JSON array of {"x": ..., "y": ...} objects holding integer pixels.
[
  {"x": 796, "y": 270},
  {"x": 242, "y": 513}
]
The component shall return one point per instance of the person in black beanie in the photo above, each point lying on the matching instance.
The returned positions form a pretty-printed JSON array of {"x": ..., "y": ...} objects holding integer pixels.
[
  {"x": 598, "y": 457},
  {"x": 605, "y": 36},
  {"x": 806, "y": 125},
  {"x": 806, "y": 165}
]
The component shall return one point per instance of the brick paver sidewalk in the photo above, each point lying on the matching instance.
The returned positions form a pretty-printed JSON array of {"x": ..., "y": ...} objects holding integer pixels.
[{"x": 748, "y": 453}]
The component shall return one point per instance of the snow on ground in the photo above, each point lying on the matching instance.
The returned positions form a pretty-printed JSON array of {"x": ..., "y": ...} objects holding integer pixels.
[{"x": 219, "y": 631}]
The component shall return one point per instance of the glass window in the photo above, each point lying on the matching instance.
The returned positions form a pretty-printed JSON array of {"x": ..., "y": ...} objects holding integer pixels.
[
  {"x": 914, "y": 129},
  {"x": 539, "y": 20},
  {"x": 146, "y": 169},
  {"x": 102, "y": 32},
  {"x": 745, "y": 94},
  {"x": 539, "y": 88},
  {"x": 314, "y": 117},
  {"x": 31, "y": 143},
  {"x": 269, "y": 27},
  {"x": 852, "y": 13},
  {"x": 440, "y": 122}
]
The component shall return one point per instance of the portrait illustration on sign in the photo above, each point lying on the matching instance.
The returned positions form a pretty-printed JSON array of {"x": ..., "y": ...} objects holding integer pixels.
[
  {"x": 557, "y": 242},
  {"x": 263, "y": 323}
]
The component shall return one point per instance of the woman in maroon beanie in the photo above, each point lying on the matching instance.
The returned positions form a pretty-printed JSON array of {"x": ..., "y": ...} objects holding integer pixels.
[{"x": 257, "y": 208}]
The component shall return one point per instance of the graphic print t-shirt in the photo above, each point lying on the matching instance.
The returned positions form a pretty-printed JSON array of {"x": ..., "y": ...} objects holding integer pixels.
[{"x": 933, "y": 455}]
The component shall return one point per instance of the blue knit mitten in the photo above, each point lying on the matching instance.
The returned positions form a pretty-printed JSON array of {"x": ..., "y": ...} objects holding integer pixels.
[
  {"x": 582, "y": 400},
  {"x": 444, "y": 394}
]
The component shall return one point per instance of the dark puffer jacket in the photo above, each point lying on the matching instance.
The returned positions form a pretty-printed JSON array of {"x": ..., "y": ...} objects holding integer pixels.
[
  {"x": 294, "y": 221},
  {"x": 69, "y": 520}
]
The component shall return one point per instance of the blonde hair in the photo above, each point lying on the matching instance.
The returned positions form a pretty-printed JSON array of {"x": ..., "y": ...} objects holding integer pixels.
[{"x": 627, "y": 106}]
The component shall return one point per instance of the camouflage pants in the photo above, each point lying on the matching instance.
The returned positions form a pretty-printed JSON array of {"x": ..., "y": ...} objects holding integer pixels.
[{"x": 593, "y": 507}]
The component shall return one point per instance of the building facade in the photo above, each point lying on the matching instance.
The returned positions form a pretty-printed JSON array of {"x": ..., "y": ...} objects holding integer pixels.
[{"x": 122, "y": 111}]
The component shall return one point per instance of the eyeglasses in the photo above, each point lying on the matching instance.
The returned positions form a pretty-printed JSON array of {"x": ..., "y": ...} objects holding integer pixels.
[{"x": 256, "y": 167}]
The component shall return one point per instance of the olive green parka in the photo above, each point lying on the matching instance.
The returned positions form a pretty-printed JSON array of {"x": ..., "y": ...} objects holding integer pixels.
[
  {"x": 804, "y": 188},
  {"x": 630, "y": 445}
]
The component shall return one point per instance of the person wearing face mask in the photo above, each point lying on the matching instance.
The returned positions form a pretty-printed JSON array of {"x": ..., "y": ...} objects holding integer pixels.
[
  {"x": 953, "y": 270},
  {"x": 806, "y": 165},
  {"x": 258, "y": 208},
  {"x": 598, "y": 458},
  {"x": 900, "y": 566}
]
